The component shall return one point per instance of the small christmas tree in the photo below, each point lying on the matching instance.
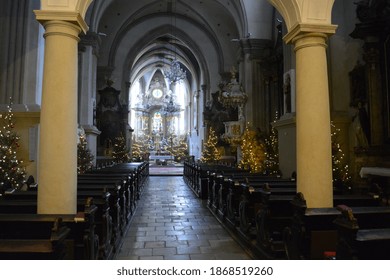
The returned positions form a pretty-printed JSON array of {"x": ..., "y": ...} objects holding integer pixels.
[
  {"x": 211, "y": 153},
  {"x": 341, "y": 177},
  {"x": 178, "y": 148},
  {"x": 84, "y": 155},
  {"x": 119, "y": 152},
  {"x": 271, "y": 164},
  {"x": 137, "y": 151},
  {"x": 253, "y": 152},
  {"x": 12, "y": 174},
  {"x": 139, "y": 148}
]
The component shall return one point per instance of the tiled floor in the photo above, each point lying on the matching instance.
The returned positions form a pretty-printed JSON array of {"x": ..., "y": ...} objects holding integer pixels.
[{"x": 172, "y": 224}]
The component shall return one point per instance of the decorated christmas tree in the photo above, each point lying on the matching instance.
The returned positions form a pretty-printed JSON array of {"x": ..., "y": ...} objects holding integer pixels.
[
  {"x": 120, "y": 152},
  {"x": 211, "y": 153},
  {"x": 178, "y": 148},
  {"x": 12, "y": 174},
  {"x": 341, "y": 176},
  {"x": 84, "y": 155},
  {"x": 139, "y": 149},
  {"x": 271, "y": 163},
  {"x": 253, "y": 152}
]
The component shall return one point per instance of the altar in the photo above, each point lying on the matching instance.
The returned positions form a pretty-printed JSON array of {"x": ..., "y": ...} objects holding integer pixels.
[{"x": 160, "y": 157}]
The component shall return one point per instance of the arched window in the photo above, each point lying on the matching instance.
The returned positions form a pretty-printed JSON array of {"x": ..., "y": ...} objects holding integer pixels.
[
  {"x": 135, "y": 92},
  {"x": 181, "y": 92},
  {"x": 157, "y": 122}
]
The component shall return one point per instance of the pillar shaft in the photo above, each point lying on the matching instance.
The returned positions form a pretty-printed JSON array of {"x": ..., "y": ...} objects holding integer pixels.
[
  {"x": 57, "y": 192},
  {"x": 314, "y": 155}
]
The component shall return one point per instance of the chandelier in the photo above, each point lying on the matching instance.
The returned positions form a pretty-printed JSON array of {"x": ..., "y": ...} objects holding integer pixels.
[
  {"x": 172, "y": 108},
  {"x": 175, "y": 73}
]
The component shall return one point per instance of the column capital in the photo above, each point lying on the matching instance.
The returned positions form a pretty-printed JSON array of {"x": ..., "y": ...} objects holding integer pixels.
[
  {"x": 256, "y": 48},
  {"x": 90, "y": 39},
  {"x": 304, "y": 29},
  {"x": 67, "y": 16}
]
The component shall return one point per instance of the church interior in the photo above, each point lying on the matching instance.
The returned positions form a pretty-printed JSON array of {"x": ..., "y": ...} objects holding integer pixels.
[{"x": 276, "y": 112}]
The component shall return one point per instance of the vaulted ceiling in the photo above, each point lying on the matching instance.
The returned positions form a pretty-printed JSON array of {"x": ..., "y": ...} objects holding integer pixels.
[{"x": 140, "y": 36}]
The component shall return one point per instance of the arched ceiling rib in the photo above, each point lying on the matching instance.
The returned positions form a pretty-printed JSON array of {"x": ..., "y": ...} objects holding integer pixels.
[{"x": 142, "y": 34}]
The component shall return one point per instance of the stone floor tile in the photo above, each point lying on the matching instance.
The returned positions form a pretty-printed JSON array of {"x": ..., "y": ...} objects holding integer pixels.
[
  {"x": 155, "y": 244},
  {"x": 166, "y": 238},
  {"x": 170, "y": 223},
  {"x": 199, "y": 242},
  {"x": 152, "y": 258},
  {"x": 188, "y": 250},
  {"x": 141, "y": 252},
  {"x": 133, "y": 245},
  {"x": 177, "y": 243},
  {"x": 146, "y": 238},
  {"x": 177, "y": 257},
  {"x": 187, "y": 237},
  {"x": 127, "y": 258},
  {"x": 164, "y": 251}
]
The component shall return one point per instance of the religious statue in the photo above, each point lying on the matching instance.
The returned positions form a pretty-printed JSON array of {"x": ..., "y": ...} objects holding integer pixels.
[
  {"x": 361, "y": 125},
  {"x": 287, "y": 94}
]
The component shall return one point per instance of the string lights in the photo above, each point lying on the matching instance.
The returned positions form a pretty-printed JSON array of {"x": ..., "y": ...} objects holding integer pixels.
[
  {"x": 211, "y": 153},
  {"x": 253, "y": 152},
  {"x": 11, "y": 171},
  {"x": 341, "y": 176}
]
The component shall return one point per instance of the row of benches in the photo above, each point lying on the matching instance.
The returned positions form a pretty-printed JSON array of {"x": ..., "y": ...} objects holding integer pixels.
[
  {"x": 106, "y": 200},
  {"x": 263, "y": 212}
]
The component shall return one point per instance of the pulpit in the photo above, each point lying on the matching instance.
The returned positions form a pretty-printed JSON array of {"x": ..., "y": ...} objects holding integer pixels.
[{"x": 111, "y": 118}]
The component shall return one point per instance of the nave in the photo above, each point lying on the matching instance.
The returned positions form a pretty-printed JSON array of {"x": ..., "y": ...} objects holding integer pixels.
[{"x": 170, "y": 223}]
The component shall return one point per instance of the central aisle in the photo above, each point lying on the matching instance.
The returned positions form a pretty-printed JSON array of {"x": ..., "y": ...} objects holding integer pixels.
[{"x": 172, "y": 224}]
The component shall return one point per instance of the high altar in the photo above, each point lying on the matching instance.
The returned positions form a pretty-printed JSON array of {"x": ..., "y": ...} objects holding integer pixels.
[{"x": 158, "y": 117}]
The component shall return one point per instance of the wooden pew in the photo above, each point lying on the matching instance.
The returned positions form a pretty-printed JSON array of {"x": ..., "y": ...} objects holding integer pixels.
[
  {"x": 140, "y": 172},
  {"x": 116, "y": 202},
  {"x": 215, "y": 181},
  {"x": 32, "y": 236},
  {"x": 266, "y": 210},
  {"x": 202, "y": 176},
  {"x": 97, "y": 216},
  {"x": 364, "y": 236},
  {"x": 128, "y": 183},
  {"x": 312, "y": 231},
  {"x": 233, "y": 190},
  {"x": 239, "y": 191}
]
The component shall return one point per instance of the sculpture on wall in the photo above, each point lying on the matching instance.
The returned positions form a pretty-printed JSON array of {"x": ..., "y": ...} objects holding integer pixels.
[
  {"x": 361, "y": 125},
  {"x": 287, "y": 94}
]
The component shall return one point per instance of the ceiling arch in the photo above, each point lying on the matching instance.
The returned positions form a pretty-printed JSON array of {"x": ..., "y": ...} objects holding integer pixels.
[{"x": 201, "y": 35}]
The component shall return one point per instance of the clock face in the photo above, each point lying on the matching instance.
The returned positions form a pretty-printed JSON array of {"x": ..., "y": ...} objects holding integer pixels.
[{"x": 157, "y": 93}]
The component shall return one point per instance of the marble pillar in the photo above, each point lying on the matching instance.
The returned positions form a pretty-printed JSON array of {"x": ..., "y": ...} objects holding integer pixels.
[
  {"x": 314, "y": 155},
  {"x": 57, "y": 178}
]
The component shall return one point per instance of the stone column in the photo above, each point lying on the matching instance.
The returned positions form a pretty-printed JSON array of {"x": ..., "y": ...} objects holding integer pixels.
[
  {"x": 314, "y": 155},
  {"x": 57, "y": 179},
  {"x": 88, "y": 51},
  {"x": 254, "y": 78}
]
